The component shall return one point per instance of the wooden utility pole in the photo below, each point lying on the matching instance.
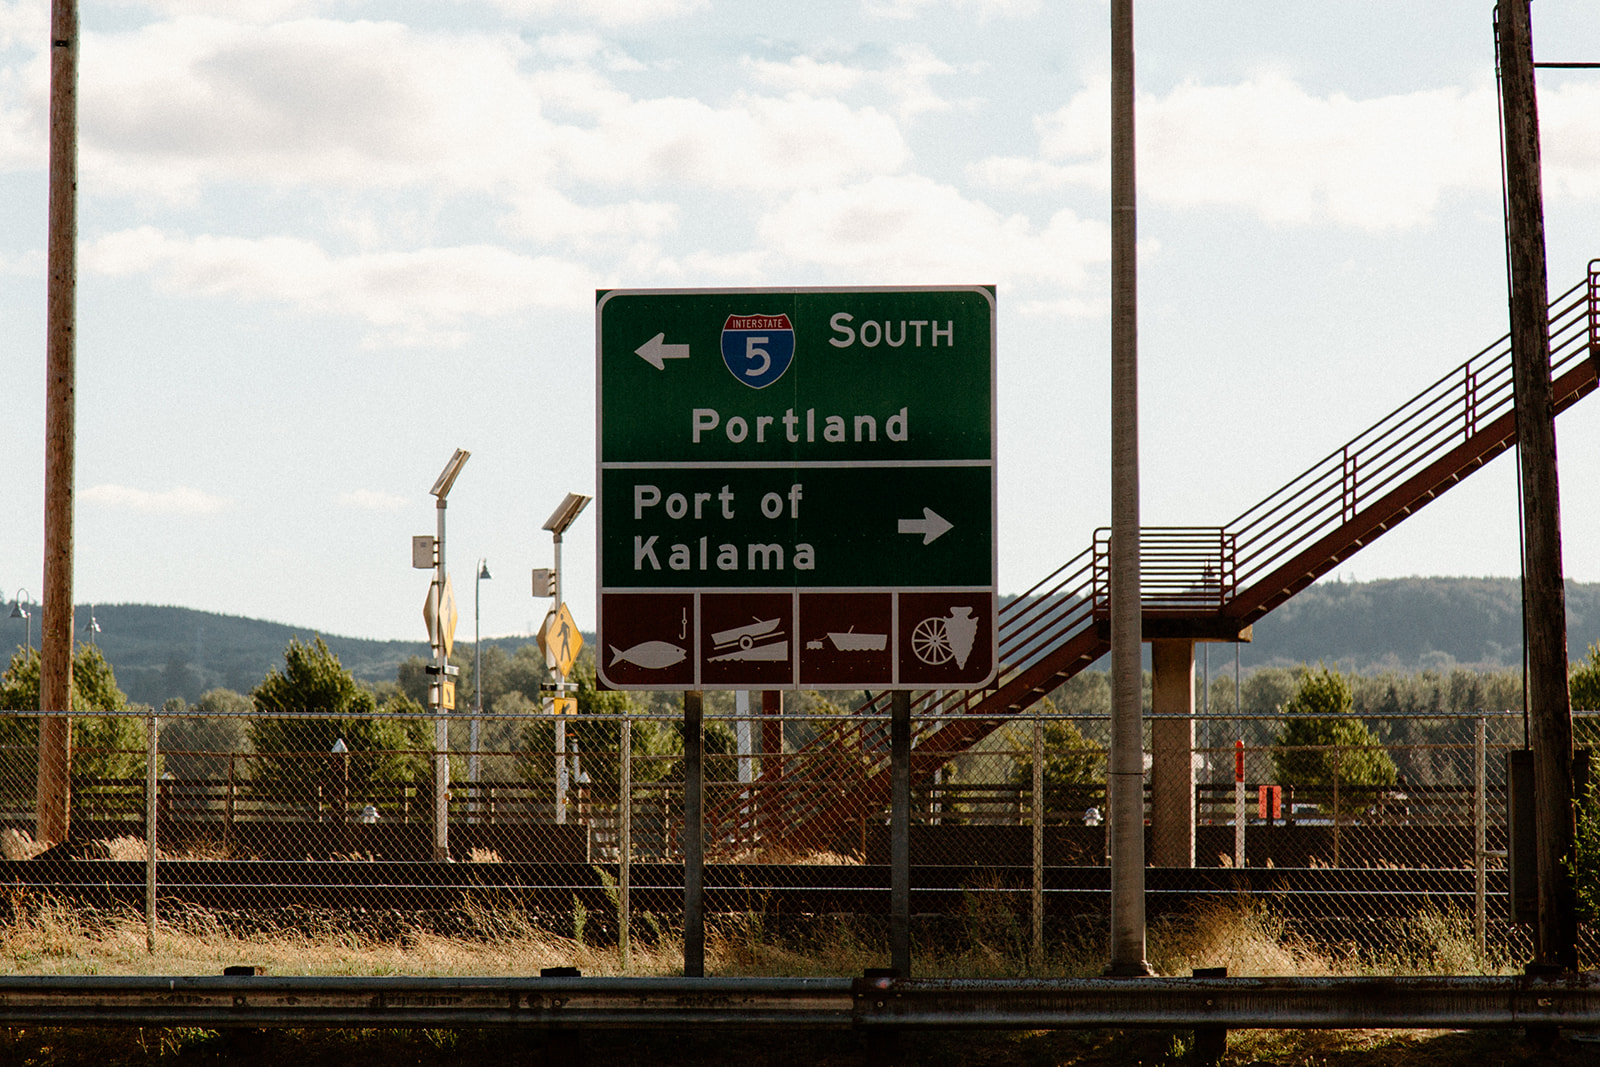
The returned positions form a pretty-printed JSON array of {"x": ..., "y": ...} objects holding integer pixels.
[
  {"x": 54, "y": 799},
  {"x": 1544, "y": 598}
]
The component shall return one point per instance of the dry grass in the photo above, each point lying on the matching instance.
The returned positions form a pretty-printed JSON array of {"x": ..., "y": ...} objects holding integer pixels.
[
  {"x": 795, "y": 857},
  {"x": 19, "y": 845},
  {"x": 1240, "y": 934},
  {"x": 42, "y": 935}
]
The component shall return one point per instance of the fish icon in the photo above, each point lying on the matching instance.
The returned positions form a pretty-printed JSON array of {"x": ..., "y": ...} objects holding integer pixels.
[{"x": 651, "y": 655}]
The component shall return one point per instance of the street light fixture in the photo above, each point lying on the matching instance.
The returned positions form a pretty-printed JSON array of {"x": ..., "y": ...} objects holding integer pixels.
[
  {"x": 566, "y": 513},
  {"x": 20, "y": 612},
  {"x": 447, "y": 477}
]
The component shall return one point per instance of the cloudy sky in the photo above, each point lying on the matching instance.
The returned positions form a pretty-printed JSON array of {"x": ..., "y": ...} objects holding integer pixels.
[{"x": 326, "y": 242}]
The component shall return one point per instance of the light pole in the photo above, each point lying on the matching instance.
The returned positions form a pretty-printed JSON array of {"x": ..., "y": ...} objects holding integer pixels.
[
  {"x": 565, "y": 514},
  {"x": 474, "y": 763},
  {"x": 444, "y": 610},
  {"x": 20, "y": 612}
]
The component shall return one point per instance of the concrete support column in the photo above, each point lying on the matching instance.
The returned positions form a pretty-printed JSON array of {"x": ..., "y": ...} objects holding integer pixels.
[{"x": 1172, "y": 739}]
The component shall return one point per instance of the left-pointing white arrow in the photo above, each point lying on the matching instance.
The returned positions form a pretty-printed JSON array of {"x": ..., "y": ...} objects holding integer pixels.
[
  {"x": 656, "y": 351},
  {"x": 931, "y": 526}
]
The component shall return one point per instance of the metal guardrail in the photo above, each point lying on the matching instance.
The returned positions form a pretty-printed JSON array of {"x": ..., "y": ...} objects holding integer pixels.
[{"x": 866, "y": 1004}]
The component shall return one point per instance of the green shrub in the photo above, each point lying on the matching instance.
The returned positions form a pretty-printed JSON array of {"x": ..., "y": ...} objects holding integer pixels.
[{"x": 1321, "y": 749}]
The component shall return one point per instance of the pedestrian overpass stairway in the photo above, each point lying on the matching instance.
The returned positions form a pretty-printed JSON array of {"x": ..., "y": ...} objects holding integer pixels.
[{"x": 1196, "y": 582}]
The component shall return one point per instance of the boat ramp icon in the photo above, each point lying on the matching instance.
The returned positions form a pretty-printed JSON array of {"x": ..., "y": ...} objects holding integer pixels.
[{"x": 760, "y": 640}]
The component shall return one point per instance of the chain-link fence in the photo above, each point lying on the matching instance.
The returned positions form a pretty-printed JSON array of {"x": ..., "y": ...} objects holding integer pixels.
[{"x": 576, "y": 825}]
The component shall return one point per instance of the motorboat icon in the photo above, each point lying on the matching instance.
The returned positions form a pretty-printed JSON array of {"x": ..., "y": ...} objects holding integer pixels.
[
  {"x": 850, "y": 641},
  {"x": 758, "y": 640}
]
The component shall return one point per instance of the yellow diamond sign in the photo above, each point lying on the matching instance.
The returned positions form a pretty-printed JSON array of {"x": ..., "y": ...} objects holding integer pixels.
[
  {"x": 439, "y": 612},
  {"x": 560, "y": 641},
  {"x": 448, "y": 616}
]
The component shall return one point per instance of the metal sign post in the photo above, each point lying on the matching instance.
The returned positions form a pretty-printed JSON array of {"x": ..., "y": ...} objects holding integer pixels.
[
  {"x": 560, "y": 642},
  {"x": 440, "y": 613}
]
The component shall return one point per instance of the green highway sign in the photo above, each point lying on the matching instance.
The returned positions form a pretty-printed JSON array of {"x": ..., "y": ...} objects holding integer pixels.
[{"x": 834, "y": 447}]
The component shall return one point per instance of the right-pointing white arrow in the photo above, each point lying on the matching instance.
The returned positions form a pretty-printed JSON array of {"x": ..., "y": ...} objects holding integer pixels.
[
  {"x": 656, "y": 351},
  {"x": 931, "y": 526}
]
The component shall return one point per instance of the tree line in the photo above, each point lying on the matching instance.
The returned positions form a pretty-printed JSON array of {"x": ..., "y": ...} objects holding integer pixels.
[{"x": 1371, "y": 729}]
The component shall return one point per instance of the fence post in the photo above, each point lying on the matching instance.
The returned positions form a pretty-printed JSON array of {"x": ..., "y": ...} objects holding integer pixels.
[
  {"x": 625, "y": 843},
  {"x": 150, "y": 833},
  {"x": 1238, "y": 802},
  {"x": 227, "y": 825},
  {"x": 1336, "y": 815},
  {"x": 1480, "y": 822},
  {"x": 1038, "y": 844}
]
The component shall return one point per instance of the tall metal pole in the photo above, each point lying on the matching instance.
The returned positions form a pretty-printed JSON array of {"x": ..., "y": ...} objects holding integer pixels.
[
  {"x": 54, "y": 798},
  {"x": 441, "y": 725},
  {"x": 1125, "y": 777},
  {"x": 1544, "y": 598},
  {"x": 561, "y": 722}
]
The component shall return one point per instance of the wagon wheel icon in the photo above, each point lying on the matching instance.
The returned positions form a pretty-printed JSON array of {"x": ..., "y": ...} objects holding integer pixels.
[{"x": 930, "y": 640}]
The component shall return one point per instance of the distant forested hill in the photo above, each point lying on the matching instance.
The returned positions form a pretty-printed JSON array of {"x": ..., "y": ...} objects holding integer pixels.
[
  {"x": 1409, "y": 624},
  {"x": 1406, "y": 624},
  {"x": 164, "y": 652}
]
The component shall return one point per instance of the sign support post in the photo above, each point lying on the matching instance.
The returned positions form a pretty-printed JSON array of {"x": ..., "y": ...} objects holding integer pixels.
[
  {"x": 900, "y": 832},
  {"x": 561, "y": 720},
  {"x": 560, "y": 642},
  {"x": 441, "y": 615},
  {"x": 694, "y": 903}
]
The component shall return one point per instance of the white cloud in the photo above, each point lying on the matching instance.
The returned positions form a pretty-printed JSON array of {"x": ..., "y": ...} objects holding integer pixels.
[
  {"x": 760, "y": 144},
  {"x": 241, "y": 10},
  {"x": 1569, "y": 131},
  {"x": 30, "y": 264},
  {"x": 911, "y": 230},
  {"x": 181, "y": 500},
  {"x": 906, "y": 82},
  {"x": 606, "y": 12},
  {"x": 1271, "y": 147},
  {"x": 177, "y": 104},
  {"x": 24, "y": 22},
  {"x": 176, "y": 107},
  {"x": 411, "y": 297},
  {"x": 372, "y": 500},
  {"x": 987, "y": 10},
  {"x": 586, "y": 47}
]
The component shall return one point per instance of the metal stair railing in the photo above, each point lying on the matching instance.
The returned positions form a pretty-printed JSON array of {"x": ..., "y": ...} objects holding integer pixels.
[
  {"x": 1361, "y": 489},
  {"x": 1183, "y": 570},
  {"x": 1242, "y": 570}
]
